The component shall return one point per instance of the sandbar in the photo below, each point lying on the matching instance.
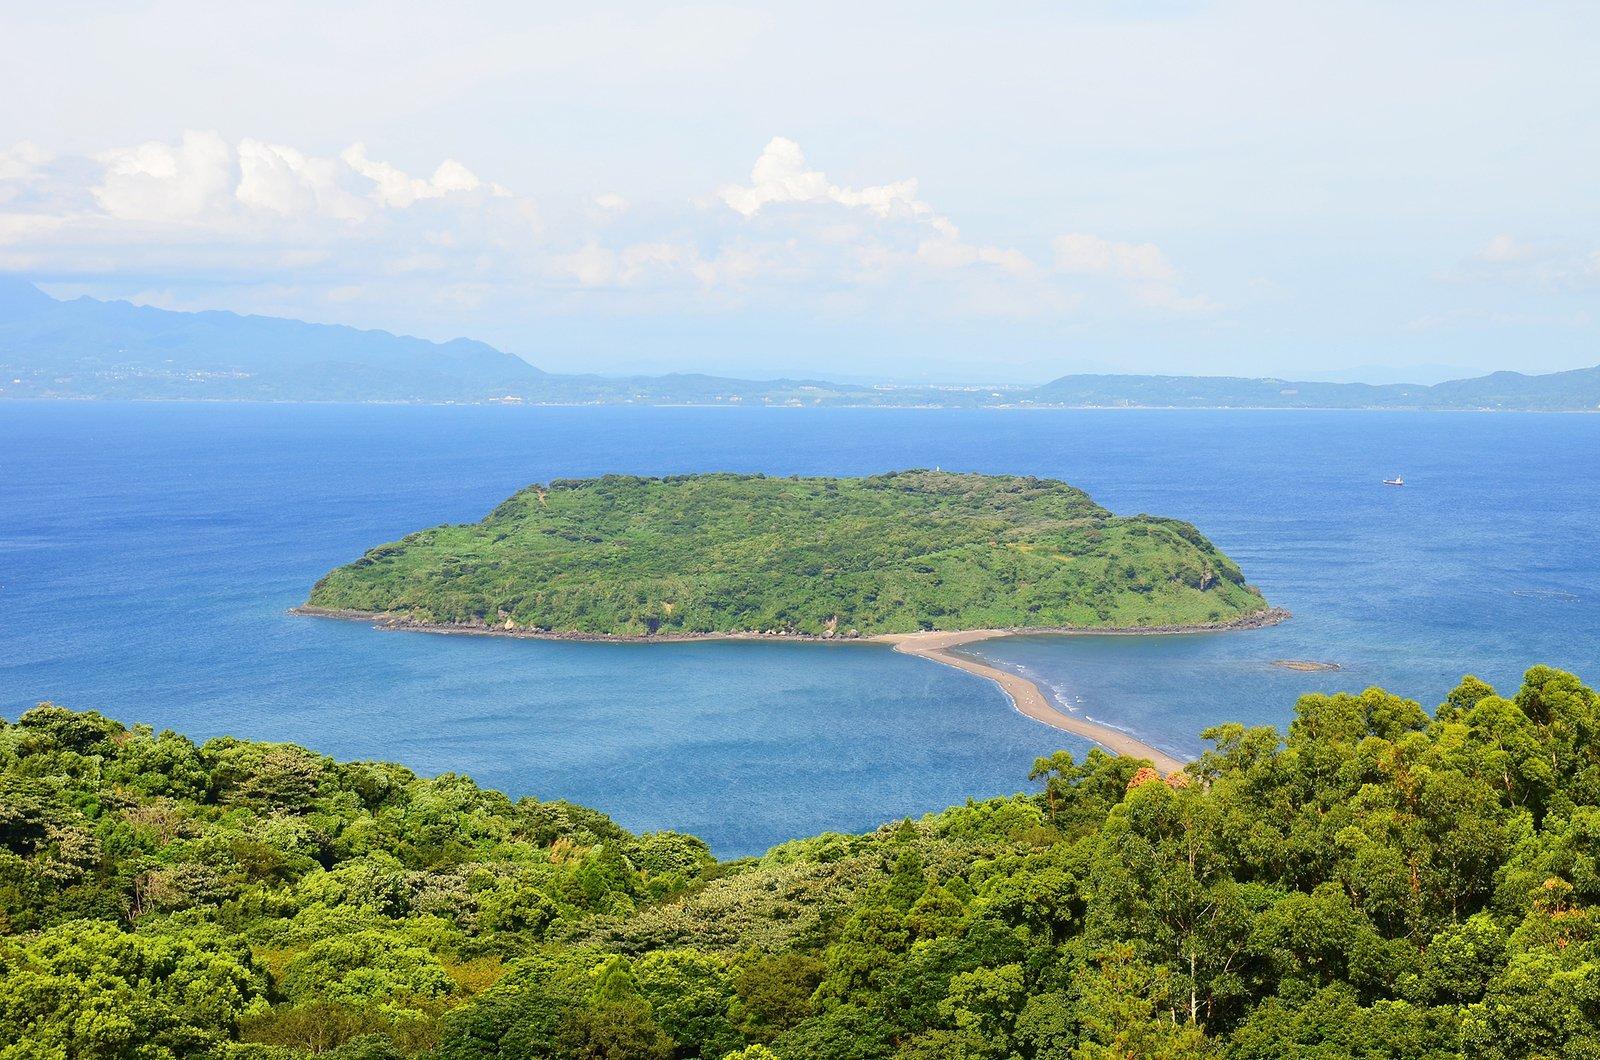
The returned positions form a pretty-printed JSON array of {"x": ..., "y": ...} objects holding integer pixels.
[{"x": 1026, "y": 696}]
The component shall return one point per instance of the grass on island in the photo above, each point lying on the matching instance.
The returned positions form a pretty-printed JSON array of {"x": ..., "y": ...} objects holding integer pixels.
[
  {"x": 727, "y": 553},
  {"x": 1379, "y": 884}
]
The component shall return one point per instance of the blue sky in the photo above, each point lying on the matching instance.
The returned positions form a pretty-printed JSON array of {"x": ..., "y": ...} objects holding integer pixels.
[{"x": 878, "y": 191}]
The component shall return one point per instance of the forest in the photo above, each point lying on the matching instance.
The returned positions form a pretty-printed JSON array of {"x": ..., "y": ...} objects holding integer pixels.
[
  {"x": 1377, "y": 882},
  {"x": 723, "y": 553}
]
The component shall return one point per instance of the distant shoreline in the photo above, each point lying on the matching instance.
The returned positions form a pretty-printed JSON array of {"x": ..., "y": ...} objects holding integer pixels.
[
  {"x": 85, "y": 399},
  {"x": 1025, "y": 695}
]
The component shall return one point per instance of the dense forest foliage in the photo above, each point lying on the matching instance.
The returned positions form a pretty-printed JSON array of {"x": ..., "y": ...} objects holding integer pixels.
[
  {"x": 1379, "y": 884},
  {"x": 822, "y": 556}
]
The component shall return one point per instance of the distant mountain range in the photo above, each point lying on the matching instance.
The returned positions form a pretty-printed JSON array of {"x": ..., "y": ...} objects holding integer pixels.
[{"x": 89, "y": 349}]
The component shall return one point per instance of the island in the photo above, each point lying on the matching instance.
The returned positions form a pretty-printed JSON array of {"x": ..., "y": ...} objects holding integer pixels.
[{"x": 908, "y": 557}]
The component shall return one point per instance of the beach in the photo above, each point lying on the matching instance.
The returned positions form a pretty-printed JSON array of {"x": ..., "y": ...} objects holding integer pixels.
[{"x": 1029, "y": 699}]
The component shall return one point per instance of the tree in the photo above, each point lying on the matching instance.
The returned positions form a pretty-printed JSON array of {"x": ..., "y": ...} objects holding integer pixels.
[
  {"x": 90, "y": 990},
  {"x": 1127, "y": 1008}
]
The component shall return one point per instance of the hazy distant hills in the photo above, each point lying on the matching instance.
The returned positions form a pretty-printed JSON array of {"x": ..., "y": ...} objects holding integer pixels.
[
  {"x": 88, "y": 349},
  {"x": 1577, "y": 390}
]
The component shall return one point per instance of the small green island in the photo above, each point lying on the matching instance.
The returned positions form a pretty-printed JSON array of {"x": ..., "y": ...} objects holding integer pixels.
[{"x": 730, "y": 554}]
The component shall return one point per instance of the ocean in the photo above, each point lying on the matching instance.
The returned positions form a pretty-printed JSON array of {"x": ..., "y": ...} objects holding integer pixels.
[{"x": 149, "y": 554}]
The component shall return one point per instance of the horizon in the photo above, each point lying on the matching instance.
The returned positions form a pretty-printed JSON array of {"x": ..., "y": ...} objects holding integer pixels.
[
  {"x": 1429, "y": 375},
  {"x": 1189, "y": 189}
]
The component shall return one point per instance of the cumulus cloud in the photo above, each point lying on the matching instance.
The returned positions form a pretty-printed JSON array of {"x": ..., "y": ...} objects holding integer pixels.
[
  {"x": 280, "y": 228},
  {"x": 904, "y": 233},
  {"x": 946, "y": 249},
  {"x": 203, "y": 180},
  {"x": 283, "y": 181},
  {"x": 780, "y": 176},
  {"x": 392, "y": 187},
  {"x": 155, "y": 181},
  {"x": 350, "y": 226}
]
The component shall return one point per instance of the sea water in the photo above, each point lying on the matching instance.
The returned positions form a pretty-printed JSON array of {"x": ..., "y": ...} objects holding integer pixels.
[{"x": 149, "y": 555}]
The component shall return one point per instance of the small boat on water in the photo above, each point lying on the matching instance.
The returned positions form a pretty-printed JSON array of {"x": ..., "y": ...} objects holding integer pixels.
[{"x": 1396, "y": 481}]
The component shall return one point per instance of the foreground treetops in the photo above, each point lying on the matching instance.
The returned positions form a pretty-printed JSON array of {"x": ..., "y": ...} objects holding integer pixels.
[
  {"x": 1379, "y": 883},
  {"x": 724, "y": 553}
]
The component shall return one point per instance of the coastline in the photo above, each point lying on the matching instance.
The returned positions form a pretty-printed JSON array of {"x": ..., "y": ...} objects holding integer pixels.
[
  {"x": 1026, "y": 697},
  {"x": 90, "y": 399},
  {"x": 390, "y": 620}
]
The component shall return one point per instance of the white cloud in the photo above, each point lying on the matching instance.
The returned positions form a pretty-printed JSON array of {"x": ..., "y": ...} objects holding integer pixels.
[
  {"x": 343, "y": 229},
  {"x": 205, "y": 181},
  {"x": 780, "y": 176},
  {"x": 161, "y": 182},
  {"x": 901, "y": 232},
  {"x": 395, "y": 188},
  {"x": 283, "y": 181},
  {"x": 256, "y": 212},
  {"x": 946, "y": 250}
]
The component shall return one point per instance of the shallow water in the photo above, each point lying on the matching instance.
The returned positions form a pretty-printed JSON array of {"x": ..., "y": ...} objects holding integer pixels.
[{"x": 148, "y": 554}]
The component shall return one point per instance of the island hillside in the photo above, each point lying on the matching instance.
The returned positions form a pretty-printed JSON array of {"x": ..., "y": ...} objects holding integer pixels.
[
  {"x": 1380, "y": 883},
  {"x": 724, "y": 553}
]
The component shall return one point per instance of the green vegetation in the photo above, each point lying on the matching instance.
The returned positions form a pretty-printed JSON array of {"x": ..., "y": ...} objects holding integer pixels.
[
  {"x": 734, "y": 553},
  {"x": 1380, "y": 884}
]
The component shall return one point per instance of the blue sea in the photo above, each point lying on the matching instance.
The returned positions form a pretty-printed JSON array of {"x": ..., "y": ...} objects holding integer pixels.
[{"x": 149, "y": 555}]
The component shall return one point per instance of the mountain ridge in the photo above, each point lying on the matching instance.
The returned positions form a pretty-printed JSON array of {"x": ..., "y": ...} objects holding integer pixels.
[{"x": 87, "y": 349}]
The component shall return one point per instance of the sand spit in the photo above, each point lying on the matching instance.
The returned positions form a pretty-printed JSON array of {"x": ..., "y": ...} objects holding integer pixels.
[{"x": 1028, "y": 698}]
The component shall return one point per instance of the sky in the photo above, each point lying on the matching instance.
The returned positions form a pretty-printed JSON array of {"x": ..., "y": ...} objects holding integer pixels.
[{"x": 917, "y": 192}]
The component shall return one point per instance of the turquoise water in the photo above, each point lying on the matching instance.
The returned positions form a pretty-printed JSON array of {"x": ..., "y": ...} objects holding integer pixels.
[{"x": 148, "y": 554}]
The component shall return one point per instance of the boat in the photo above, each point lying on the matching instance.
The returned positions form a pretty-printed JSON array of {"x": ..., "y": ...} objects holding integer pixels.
[{"x": 1396, "y": 481}]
